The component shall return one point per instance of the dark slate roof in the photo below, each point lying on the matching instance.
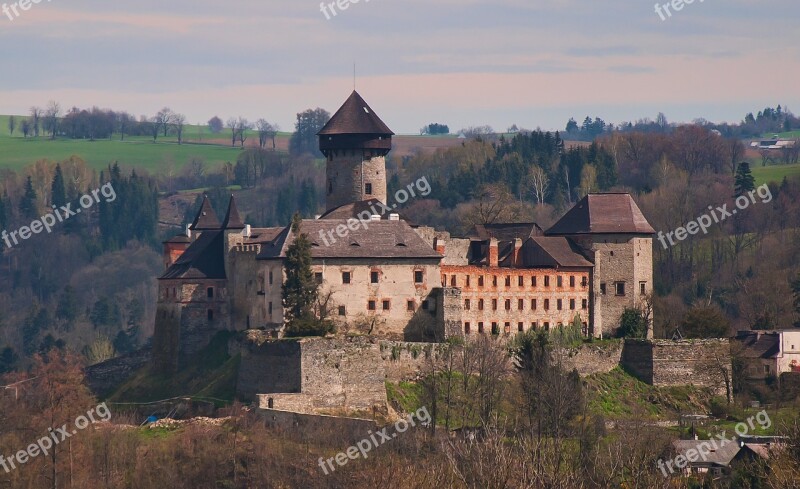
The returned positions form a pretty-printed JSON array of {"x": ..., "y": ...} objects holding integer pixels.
[
  {"x": 355, "y": 117},
  {"x": 232, "y": 219},
  {"x": 263, "y": 235},
  {"x": 203, "y": 259},
  {"x": 355, "y": 209},
  {"x": 553, "y": 251},
  {"x": 179, "y": 238},
  {"x": 377, "y": 239},
  {"x": 615, "y": 213},
  {"x": 206, "y": 218},
  {"x": 506, "y": 231},
  {"x": 759, "y": 344},
  {"x": 720, "y": 456}
]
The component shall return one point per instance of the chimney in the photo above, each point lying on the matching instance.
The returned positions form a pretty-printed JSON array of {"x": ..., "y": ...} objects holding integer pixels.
[
  {"x": 439, "y": 244},
  {"x": 375, "y": 217},
  {"x": 493, "y": 252},
  {"x": 394, "y": 217},
  {"x": 517, "y": 250},
  {"x": 247, "y": 230},
  {"x": 188, "y": 230}
]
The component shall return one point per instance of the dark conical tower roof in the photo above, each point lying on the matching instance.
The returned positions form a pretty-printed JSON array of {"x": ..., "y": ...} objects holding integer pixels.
[
  {"x": 232, "y": 219},
  {"x": 355, "y": 116},
  {"x": 206, "y": 218}
]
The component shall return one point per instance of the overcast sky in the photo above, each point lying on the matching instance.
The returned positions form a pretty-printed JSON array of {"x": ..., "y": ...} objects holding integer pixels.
[{"x": 534, "y": 63}]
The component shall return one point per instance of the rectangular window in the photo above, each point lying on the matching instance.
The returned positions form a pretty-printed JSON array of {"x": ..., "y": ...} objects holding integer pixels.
[
  {"x": 373, "y": 277},
  {"x": 345, "y": 277},
  {"x": 584, "y": 282},
  {"x": 318, "y": 277},
  {"x": 494, "y": 304},
  {"x": 572, "y": 304},
  {"x": 572, "y": 280},
  {"x": 342, "y": 311},
  {"x": 480, "y": 327},
  {"x": 508, "y": 304},
  {"x": 521, "y": 304},
  {"x": 520, "y": 327},
  {"x": 467, "y": 279},
  {"x": 480, "y": 304},
  {"x": 584, "y": 304},
  {"x": 546, "y": 326},
  {"x": 547, "y": 280},
  {"x": 444, "y": 280},
  {"x": 559, "y": 281},
  {"x": 521, "y": 281},
  {"x": 410, "y": 305},
  {"x": 558, "y": 304},
  {"x": 466, "y": 304},
  {"x": 453, "y": 281},
  {"x": 466, "y": 328},
  {"x": 270, "y": 308},
  {"x": 643, "y": 288},
  {"x": 270, "y": 277},
  {"x": 371, "y": 305},
  {"x": 494, "y": 281},
  {"x": 619, "y": 288},
  {"x": 602, "y": 288},
  {"x": 368, "y": 188},
  {"x": 533, "y": 304},
  {"x": 534, "y": 326},
  {"x": 210, "y": 292},
  {"x": 508, "y": 281},
  {"x": 418, "y": 276},
  {"x": 480, "y": 281},
  {"x": 386, "y": 305},
  {"x": 533, "y": 281},
  {"x": 210, "y": 315},
  {"x": 547, "y": 304},
  {"x": 507, "y": 327},
  {"x": 495, "y": 328}
]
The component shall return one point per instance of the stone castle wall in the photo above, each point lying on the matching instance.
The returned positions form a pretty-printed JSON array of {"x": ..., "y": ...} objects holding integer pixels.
[{"x": 348, "y": 175}]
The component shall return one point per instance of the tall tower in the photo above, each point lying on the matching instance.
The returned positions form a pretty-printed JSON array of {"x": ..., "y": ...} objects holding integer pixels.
[{"x": 355, "y": 142}]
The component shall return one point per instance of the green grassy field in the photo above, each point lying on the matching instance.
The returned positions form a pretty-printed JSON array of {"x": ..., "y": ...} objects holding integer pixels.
[{"x": 775, "y": 173}]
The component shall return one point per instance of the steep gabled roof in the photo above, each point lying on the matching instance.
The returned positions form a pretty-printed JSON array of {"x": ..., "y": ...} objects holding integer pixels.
[
  {"x": 613, "y": 213},
  {"x": 555, "y": 251},
  {"x": 356, "y": 210},
  {"x": 506, "y": 231},
  {"x": 232, "y": 219},
  {"x": 206, "y": 219},
  {"x": 373, "y": 239},
  {"x": 203, "y": 259},
  {"x": 355, "y": 117}
]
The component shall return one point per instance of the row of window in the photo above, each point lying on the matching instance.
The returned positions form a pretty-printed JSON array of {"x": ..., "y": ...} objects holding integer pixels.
[
  {"x": 619, "y": 288},
  {"x": 520, "y": 327},
  {"x": 533, "y": 304},
  {"x": 386, "y": 305},
  {"x": 508, "y": 280},
  {"x": 173, "y": 291},
  {"x": 374, "y": 277}
]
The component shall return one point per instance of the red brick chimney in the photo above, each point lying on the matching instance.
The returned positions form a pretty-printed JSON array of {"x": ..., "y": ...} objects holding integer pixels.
[
  {"x": 440, "y": 246},
  {"x": 493, "y": 262}
]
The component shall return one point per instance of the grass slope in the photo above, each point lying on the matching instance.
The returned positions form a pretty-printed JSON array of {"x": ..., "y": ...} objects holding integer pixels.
[{"x": 775, "y": 173}]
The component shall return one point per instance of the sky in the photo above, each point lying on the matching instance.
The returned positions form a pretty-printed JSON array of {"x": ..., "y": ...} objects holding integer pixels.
[{"x": 533, "y": 63}]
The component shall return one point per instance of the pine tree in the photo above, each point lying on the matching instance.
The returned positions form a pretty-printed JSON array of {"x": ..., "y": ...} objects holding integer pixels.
[
  {"x": 744, "y": 180},
  {"x": 795, "y": 285},
  {"x": 27, "y": 205},
  {"x": 58, "y": 190}
]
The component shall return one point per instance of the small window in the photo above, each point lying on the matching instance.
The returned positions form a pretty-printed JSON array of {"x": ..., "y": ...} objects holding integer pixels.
[
  {"x": 547, "y": 304},
  {"x": 270, "y": 277},
  {"x": 494, "y": 281},
  {"x": 602, "y": 288},
  {"x": 368, "y": 188},
  {"x": 520, "y": 327},
  {"x": 584, "y": 304},
  {"x": 480, "y": 304},
  {"x": 466, "y": 328},
  {"x": 572, "y": 280},
  {"x": 507, "y": 328},
  {"x": 494, "y": 304},
  {"x": 559, "y": 304},
  {"x": 386, "y": 305},
  {"x": 467, "y": 279},
  {"x": 508, "y": 281},
  {"x": 572, "y": 304},
  {"x": 318, "y": 277},
  {"x": 411, "y": 305},
  {"x": 620, "y": 288},
  {"x": 546, "y": 326},
  {"x": 495, "y": 328},
  {"x": 444, "y": 280},
  {"x": 418, "y": 276},
  {"x": 533, "y": 304},
  {"x": 453, "y": 281},
  {"x": 521, "y": 281},
  {"x": 480, "y": 281},
  {"x": 534, "y": 326},
  {"x": 466, "y": 304},
  {"x": 547, "y": 280},
  {"x": 342, "y": 311},
  {"x": 373, "y": 277},
  {"x": 371, "y": 305},
  {"x": 584, "y": 282},
  {"x": 508, "y": 304},
  {"x": 559, "y": 281},
  {"x": 533, "y": 281},
  {"x": 210, "y": 315},
  {"x": 210, "y": 292},
  {"x": 269, "y": 308},
  {"x": 766, "y": 369},
  {"x": 643, "y": 288},
  {"x": 521, "y": 304},
  {"x": 480, "y": 327}
]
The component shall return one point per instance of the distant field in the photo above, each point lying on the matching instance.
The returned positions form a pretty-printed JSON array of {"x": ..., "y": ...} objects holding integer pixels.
[{"x": 774, "y": 173}]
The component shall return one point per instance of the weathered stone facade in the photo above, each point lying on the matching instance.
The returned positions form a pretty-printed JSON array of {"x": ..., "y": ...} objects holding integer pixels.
[{"x": 355, "y": 175}]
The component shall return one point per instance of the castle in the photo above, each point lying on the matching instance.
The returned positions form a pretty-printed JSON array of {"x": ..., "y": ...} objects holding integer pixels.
[{"x": 386, "y": 276}]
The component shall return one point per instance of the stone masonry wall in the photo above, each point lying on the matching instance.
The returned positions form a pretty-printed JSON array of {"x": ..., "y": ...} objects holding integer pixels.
[{"x": 593, "y": 359}]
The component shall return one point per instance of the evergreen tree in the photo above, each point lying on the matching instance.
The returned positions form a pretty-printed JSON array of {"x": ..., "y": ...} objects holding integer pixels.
[
  {"x": 27, "y": 205},
  {"x": 744, "y": 179},
  {"x": 58, "y": 190},
  {"x": 795, "y": 285},
  {"x": 68, "y": 307}
]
